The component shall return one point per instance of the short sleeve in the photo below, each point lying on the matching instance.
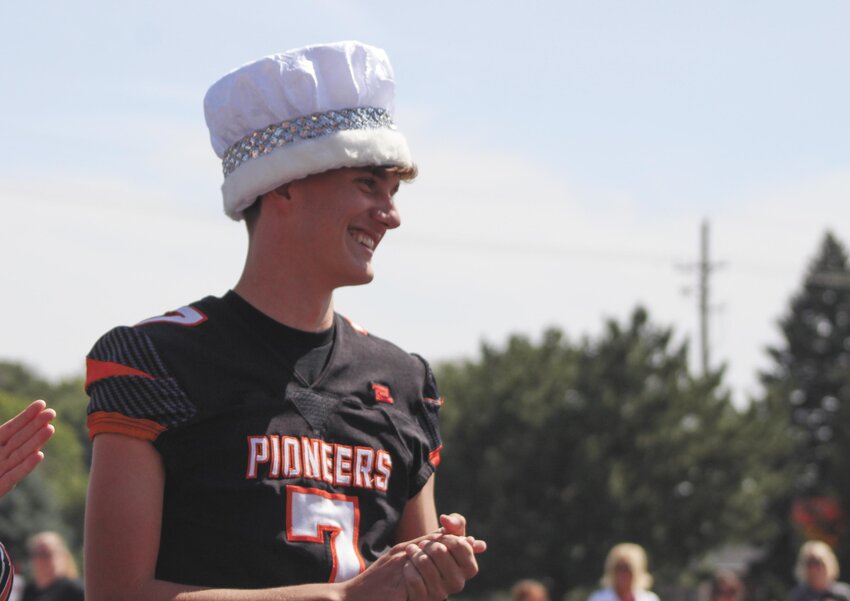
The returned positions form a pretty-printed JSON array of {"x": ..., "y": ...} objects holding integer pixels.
[
  {"x": 130, "y": 389},
  {"x": 428, "y": 418}
]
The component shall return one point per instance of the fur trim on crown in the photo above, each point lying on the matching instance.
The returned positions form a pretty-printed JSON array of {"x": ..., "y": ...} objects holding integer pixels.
[{"x": 349, "y": 148}]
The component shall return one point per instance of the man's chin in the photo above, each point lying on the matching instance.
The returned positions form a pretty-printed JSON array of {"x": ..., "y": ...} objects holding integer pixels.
[{"x": 360, "y": 281}]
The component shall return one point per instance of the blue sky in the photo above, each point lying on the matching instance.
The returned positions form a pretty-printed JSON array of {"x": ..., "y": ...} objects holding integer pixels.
[{"x": 568, "y": 151}]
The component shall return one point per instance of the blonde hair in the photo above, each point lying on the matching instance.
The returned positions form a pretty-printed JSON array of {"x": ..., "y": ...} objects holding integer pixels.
[
  {"x": 819, "y": 550},
  {"x": 57, "y": 544},
  {"x": 633, "y": 556}
]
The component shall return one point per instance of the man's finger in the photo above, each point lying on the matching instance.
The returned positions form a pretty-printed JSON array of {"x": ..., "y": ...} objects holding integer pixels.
[
  {"x": 26, "y": 442},
  {"x": 453, "y": 523},
  {"x": 430, "y": 574},
  {"x": 14, "y": 425},
  {"x": 454, "y": 570},
  {"x": 18, "y": 472}
]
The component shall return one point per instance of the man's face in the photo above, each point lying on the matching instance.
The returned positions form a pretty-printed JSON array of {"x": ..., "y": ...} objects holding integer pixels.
[{"x": 343, "y": 214}]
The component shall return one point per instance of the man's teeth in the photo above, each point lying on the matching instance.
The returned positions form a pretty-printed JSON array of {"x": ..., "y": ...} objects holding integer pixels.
[{"x": 365, "y": 240}]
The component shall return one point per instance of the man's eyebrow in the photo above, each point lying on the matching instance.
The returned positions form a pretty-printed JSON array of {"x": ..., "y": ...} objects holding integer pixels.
[{"x": 380, "y": 172}]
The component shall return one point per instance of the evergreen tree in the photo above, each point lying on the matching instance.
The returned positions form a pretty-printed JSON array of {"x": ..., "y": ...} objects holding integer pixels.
[
  {"x": 810, "y": 368},
  {"x": 808, "y": 389}
]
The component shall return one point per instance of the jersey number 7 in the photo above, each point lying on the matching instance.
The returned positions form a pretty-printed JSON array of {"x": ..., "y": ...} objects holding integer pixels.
[{"x": 311, "y": 512}]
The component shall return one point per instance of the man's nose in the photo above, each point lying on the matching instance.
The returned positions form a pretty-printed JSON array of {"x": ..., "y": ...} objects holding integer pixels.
[
  {"x": 387, "y": 213},
  {"x": 388, "y": 216}
]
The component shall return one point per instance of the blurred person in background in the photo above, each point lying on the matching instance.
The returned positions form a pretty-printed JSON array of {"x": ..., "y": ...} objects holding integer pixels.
[
  {"x": 54, "y": 572},
  {"x": 529, "y": 590},
  {"x": 21, "y": 440},
  {"x": 726, "y": 586},
  {"x": 626, "y": 577},
  {"x": 817, "y": 574}
]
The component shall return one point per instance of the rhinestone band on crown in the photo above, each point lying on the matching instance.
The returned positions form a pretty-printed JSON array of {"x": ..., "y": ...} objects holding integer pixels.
[{"x": 263, "y": 141}]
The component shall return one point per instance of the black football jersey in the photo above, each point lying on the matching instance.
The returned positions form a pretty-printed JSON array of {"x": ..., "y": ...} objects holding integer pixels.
[{"x": 269, "y": 481}]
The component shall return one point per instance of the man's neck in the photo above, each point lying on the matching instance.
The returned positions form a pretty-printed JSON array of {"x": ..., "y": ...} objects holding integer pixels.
[{"x": 294, "y": 306}]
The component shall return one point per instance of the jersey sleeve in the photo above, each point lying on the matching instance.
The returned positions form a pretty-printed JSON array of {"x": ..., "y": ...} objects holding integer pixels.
[
  {"x": 130, "y": 389},
  {"x": 428, "y": 418},
  {"x": 7, "y": 574}
]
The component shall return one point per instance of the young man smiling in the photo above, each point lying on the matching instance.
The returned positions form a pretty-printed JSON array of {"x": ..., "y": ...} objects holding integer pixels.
[
  {"x": 321, "y": 231},
  {"x": 259, "y": 445}
]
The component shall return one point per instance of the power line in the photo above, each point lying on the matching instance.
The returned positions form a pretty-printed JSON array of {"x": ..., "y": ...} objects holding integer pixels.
[
  {"x": 830, "y": 279},
  {"x": 659, "y": 258},
  {"x": 541, "y": 249}
]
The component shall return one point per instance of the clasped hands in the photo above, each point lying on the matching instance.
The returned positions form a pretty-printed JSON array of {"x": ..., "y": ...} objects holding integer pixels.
[{"x": 428, "y": 568}]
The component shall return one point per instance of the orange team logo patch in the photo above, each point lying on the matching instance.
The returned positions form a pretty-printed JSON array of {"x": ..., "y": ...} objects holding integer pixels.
[{"x": 382, "y": 393}]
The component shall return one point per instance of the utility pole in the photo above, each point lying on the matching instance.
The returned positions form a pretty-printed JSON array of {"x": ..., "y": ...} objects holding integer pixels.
[{"x": 704, "y": 268}]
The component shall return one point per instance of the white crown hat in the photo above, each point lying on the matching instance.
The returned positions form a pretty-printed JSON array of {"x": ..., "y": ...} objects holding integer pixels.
[{"x": 304, "y": 111}]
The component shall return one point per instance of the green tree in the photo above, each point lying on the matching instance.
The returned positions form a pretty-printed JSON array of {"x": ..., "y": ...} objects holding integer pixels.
[
  {"x": 17, "y": 379},
  {"x": 558, "y": 451},
  {"x": 807, "y": 387}
]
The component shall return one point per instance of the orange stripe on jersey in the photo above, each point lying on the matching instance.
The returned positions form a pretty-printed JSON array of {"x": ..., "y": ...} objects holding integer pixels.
[
  {"x": 434, "y": 456},
  {"x": 110, "y": 422},
  {"x": 438, "y": 402},
  {"x": 98, "y": 370}
]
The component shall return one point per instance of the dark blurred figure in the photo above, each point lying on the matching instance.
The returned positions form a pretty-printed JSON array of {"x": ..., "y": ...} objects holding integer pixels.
[
  {"x": 529, "y": 590},
  {"x": 54, "y": 571},
  {"x": 817, "y": 574},
  {"x": 726, "y": 586}
]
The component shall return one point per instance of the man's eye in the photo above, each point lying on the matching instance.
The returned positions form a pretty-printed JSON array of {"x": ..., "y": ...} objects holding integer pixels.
[{"x": 369, "y": 182}]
